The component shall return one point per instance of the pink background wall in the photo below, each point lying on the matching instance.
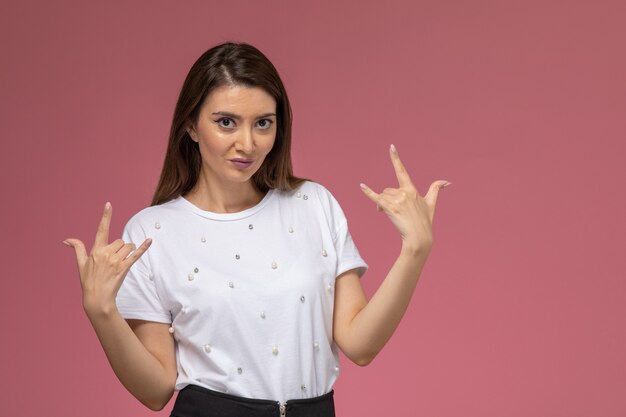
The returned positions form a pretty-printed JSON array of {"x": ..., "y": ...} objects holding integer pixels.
[{"x": 521, "y": 310}]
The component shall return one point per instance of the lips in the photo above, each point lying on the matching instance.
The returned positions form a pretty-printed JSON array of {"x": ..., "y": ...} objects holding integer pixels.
[{"x": 242, "y": 163}]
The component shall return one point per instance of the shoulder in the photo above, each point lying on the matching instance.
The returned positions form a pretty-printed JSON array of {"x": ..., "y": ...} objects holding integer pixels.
[
  {"x": 150, "y": 217},
  {"x": 314, "y": 189},
  {"x": 323, "y": 201}
]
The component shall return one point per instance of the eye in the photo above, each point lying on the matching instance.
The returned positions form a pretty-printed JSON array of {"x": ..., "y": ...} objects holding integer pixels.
[
  {"x": 225, "y": 122},
  {"x": 264, "y": 123}
]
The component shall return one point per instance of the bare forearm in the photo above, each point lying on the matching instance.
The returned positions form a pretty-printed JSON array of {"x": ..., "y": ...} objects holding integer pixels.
[
  {"x": 374, "y": 325},
  {"x": 137, "y": 369}
]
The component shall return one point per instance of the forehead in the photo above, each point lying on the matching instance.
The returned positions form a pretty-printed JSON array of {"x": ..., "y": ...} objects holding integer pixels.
[{"x": 240, "y": 99}]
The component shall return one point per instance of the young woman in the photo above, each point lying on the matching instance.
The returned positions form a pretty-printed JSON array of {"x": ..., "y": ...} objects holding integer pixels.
[{"x": 252, "y": 280}]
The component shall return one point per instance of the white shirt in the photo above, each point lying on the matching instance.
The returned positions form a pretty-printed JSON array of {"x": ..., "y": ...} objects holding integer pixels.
[{"x": 249, "y": 295}]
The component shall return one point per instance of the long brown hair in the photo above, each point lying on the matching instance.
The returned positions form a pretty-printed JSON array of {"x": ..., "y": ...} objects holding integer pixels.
[{"x": 225, "y": 64}]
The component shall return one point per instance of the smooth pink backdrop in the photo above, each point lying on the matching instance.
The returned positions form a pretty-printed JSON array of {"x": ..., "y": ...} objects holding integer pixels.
[{"x": 521, "y": 309}]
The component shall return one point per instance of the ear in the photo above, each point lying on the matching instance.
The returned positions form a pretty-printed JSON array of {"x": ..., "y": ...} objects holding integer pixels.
[{"x": 191, "y": 131}]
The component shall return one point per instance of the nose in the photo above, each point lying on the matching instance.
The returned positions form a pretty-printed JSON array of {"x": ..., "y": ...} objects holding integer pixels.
[{"x": 245, "y": 141}]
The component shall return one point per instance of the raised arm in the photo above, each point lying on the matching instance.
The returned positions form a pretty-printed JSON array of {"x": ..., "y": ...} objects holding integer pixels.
[
  {"x": 141, "y": 353},
  {"x": 361, "y": 328}
]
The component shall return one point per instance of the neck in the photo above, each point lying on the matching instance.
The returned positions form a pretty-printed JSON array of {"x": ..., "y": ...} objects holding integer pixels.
[{"x": 224, "y": 198}]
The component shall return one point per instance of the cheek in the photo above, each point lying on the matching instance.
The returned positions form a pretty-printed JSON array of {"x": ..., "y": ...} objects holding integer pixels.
[
  {"x": 212, "y": 143},
  {"x": 271, "y": 141}
]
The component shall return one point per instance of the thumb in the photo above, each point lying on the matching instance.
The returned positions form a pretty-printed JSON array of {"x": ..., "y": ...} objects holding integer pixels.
[
  {"x": 79, "y": 248},
  {"x": 433, "y": 193}
]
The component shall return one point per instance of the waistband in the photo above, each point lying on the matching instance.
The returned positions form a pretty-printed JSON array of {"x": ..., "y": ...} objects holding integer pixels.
[{"x": 196, "y": 401}]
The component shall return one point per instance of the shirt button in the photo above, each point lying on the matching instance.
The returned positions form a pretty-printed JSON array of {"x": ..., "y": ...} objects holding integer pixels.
[{"x": 207, "y": 348}]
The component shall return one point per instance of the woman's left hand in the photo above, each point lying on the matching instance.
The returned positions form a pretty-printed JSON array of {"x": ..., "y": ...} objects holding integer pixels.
[{"x": 411, "y": 213}]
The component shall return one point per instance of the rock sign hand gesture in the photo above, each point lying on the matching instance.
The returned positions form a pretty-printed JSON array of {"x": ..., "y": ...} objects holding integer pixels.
[
  {"x": 410, "y": 213},
  {"x": 104, "y": 269}
]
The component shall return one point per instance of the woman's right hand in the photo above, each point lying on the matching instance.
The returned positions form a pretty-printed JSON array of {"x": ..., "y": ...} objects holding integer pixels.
[{"x": 104, "y": 269}]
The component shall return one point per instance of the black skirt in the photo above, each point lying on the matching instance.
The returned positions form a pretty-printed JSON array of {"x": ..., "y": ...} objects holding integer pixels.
[{"x": 195, "y": 401}]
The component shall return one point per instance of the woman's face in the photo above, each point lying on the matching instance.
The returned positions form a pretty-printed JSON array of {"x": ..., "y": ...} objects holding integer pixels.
[{"x": 235, "y": 131}]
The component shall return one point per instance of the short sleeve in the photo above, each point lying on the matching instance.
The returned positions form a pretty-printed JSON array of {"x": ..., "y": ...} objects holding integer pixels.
[
  {"x": 348, "y": 256},
  {"x": 347, "y": 253},
  {"x": 137, "y": 297}
]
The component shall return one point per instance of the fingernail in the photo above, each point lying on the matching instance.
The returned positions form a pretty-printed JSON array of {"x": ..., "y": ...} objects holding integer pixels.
[
  {"x": 65, "y": 242},
  {"x": 107, "y": 205},
  {"x": 363, "y": 186},
  {"x": 393, "y": 148},
  {"x": 446, "y": 184}
]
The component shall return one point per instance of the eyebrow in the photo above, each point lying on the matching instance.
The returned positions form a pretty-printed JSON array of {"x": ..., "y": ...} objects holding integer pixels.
[{"x": 235, "y": 116}]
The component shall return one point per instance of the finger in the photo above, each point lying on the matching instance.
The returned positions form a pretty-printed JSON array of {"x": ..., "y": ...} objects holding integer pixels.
[
  {"x": 79, "y": 249},
  {"x": 132, "y": 258},
  {"x": 433, "y": 193},
  {"x": 116, "y": 245},
  {"x": 125, "y": 250},
  {"x": 102, "y": 235},
  {"x": 369, "y": 193},
  {"x": 388, "y": 204},
  {"x": 404, "y": 181}
]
